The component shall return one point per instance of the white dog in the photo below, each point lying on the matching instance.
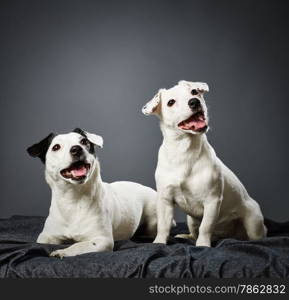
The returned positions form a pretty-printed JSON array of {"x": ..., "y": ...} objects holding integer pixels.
[
  {"x": 190, "y": 174},
  {"x": 83, "y": 208}
]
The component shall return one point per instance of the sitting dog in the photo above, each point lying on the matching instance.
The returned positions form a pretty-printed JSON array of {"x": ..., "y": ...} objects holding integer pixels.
[
  {"x": 190, "y": 174},
  {"x": 84, "y": 208}
]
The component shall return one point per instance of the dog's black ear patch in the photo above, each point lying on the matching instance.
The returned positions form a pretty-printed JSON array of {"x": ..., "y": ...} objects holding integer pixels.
[
  {"x": 80, "y": 131},
  {"x": 40, "y": 149}
]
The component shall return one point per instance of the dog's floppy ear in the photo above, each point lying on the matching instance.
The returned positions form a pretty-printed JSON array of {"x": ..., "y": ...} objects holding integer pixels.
[
  {"x": 200, "y": 87},
  {"x": 153, "y": 106},
  {"x": 40, "y": 149},
  {"x": 93, "y": 138}
]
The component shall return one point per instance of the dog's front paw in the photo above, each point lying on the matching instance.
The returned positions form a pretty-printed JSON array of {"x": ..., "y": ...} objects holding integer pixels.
[
  {"x": 59, "y": 253},
  {"x": 160, "y": 240},
  {"x": 203, "y": 242},
  {"x": 185, "y": 236}
]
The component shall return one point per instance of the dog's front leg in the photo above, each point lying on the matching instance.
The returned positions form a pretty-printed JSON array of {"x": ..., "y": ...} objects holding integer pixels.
[
  {"x": 94, "y": 245},
  {"x": 211, "y": 213},
  {"x": 165, "y": 211},
  {"x": 45, "y": 238}
]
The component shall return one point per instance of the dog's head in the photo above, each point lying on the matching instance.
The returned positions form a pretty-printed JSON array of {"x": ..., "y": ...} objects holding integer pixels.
[
  {"x": 182, "y": 107},
  {"x": 70, "y": 157}
]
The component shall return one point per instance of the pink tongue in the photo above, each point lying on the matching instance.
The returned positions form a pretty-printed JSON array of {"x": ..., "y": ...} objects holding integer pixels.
[
  {"x": 79, "y": 172},
  {"x": 194, "y": 124}
]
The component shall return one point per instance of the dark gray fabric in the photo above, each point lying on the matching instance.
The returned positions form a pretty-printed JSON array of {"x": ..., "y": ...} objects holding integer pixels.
[{"x": 21, "y": 257}]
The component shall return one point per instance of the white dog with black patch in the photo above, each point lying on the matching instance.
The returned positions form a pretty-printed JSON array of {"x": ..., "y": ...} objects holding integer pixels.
[
  {"x": 190, "y": 175},
  {"x": 84, "y": 208}
]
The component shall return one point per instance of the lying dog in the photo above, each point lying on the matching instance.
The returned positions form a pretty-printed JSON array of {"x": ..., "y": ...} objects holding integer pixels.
[
  {"x": 83, "y": 208},
  {"x": 190, "y": 174}
]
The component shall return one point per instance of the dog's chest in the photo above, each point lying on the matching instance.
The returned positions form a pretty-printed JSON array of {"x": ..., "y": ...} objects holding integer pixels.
[
  {"x": 190, "y": 199},
  {"x": 78, "y": 228},
  {"x": 78, "y": 222}
]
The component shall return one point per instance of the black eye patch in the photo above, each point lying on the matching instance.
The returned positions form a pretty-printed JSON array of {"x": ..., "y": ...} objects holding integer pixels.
[{"x": 85, "y": 141}]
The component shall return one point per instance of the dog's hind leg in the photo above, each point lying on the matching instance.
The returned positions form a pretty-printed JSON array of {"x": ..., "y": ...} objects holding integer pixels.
[
  {"x": 193, "y": 225},
  {"x": 253, "y": 221}
]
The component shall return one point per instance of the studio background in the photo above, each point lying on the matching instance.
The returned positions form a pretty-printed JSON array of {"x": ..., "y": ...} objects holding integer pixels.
[{"x": 94, "y": 64}]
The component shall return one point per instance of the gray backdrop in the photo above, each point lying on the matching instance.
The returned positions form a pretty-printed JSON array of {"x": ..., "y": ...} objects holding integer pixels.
[{"x": 93, "y": 64}]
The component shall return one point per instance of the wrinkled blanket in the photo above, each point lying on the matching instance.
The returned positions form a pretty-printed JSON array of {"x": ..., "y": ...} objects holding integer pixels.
[{"x": 22, "y": 257}]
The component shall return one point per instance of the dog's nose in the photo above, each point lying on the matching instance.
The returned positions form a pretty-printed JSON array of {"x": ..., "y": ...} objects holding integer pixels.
[
  {"x": 76, "y": 150},
  {"x": 194, "y": 103}
]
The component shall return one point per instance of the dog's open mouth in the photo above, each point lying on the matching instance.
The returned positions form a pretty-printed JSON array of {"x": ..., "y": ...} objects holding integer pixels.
[
  {"x": 196, "y": 122},
  {"x": 76, "y": 171}
]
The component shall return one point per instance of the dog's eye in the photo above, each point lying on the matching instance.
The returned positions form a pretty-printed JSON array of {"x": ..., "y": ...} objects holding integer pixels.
[
  {"x": 84, "y": 142},
  {"x": 56, "y": 147},
  {"x": 171, "y": 102},
  {"x": 194, "y": 92}
]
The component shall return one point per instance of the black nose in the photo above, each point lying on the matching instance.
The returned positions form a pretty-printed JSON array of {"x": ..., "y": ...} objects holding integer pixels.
[
  {"x": 194, "y": 103},
  {"x": 76, "y": 150}
]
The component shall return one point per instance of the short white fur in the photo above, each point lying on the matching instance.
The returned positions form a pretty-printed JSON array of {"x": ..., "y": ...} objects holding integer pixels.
[
  {"x": 93, "y": 213},
  {"x": 190, "y": 175}
]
